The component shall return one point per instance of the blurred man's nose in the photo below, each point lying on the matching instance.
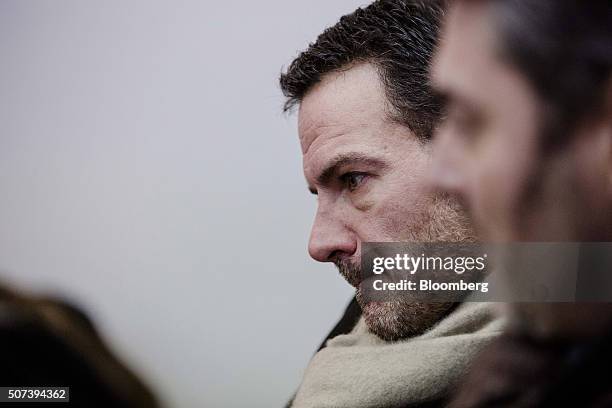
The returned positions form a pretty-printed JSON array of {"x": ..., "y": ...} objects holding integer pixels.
[
  {"x": 330, "y": 238},
  {"x": 446, "y": 172}
]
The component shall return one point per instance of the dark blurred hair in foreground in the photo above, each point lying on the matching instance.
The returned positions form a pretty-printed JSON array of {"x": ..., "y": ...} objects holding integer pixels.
[{"x": 46, "y": 343}]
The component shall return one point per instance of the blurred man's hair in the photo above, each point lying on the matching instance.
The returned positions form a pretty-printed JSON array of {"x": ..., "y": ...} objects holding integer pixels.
[
  {"x": 398, "y": 37},
  {"x": 564, "y": 49}
]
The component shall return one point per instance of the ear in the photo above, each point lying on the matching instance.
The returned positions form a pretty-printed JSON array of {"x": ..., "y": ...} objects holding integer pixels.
[
  {"x": 609, "y": 159},
  {"x": 607, "y": 135},
  {"x": 590, "y": 150}
]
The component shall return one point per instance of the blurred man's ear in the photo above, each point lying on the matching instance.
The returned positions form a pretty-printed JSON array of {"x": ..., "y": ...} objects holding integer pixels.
[
  {"x": 590, "y": 153},
  {"x": 607, "y": 118},
  {"x": 593, "y": 149}
]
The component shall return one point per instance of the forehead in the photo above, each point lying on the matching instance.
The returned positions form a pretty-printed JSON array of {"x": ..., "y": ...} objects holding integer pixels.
[
  {"x": 466, "y": 52},
  {"x": 343, "y": 102},
  {"x": 469, "y": 66}
]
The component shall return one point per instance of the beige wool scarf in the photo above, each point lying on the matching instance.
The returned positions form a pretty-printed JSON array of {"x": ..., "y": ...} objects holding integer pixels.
[{"x": 361, "y": 370}]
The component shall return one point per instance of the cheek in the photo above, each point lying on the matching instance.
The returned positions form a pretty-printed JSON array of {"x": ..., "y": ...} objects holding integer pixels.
[
  {"x": 400, "y": 210},
  {"x": 499, "y": 176},
  {"x": 398, "y": 200}
]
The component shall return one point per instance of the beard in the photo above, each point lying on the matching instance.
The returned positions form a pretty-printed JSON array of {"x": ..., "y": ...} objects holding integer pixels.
[{"x": 445, "y": 221}]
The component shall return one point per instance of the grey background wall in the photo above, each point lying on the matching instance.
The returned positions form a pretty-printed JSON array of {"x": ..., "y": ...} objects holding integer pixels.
[{"x": 148, "y": 175}]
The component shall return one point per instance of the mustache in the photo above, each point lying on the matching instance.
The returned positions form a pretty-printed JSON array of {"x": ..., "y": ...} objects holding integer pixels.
[{"x": 349, "y": 270}]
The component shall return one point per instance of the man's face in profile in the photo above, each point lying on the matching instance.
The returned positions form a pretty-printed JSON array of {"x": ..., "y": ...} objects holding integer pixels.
[
  {"x": 489, "y": 149},
  {"x": 369, "y": 175}
]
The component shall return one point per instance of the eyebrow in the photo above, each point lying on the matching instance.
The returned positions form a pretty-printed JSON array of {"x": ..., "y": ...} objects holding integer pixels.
[
  {"x": 343, "y": 159},
  {"x": 447, "y": 95}
]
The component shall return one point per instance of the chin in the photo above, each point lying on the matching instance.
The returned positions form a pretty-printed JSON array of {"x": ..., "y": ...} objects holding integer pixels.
[
  {"x": 383, "y": 320},
  {"x": 396, "y": 320}
]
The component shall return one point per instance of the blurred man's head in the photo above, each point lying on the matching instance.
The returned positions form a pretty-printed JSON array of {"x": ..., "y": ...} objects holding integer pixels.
[
  {"x": 528, "y": 138},
  {"x": 527, "y": 142},
  {"x": 366, "y": 114}
]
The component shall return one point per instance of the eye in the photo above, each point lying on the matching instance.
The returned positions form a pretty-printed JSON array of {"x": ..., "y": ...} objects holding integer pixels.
[
  {"x": 465, "y": 122},
  {"x": 353, "y": 180}
]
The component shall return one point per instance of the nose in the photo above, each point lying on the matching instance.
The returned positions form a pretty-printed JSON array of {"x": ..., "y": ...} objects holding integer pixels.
[
  {"x": 446, "y": 173},
  {"x": 330, "y": 238}
]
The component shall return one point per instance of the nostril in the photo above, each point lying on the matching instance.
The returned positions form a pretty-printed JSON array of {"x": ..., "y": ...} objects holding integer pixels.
[{"x": 334, "y": 256}]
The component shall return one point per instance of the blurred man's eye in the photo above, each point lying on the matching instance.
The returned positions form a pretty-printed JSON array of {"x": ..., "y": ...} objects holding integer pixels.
[
  {"x": 353, "y": 180},
  {"x": 465, "y": 122}
]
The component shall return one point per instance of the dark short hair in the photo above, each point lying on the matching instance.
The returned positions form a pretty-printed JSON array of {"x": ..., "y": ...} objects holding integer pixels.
[
  {"x": 564, "y": 50},
  {"x": 398, "y": 37}
]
